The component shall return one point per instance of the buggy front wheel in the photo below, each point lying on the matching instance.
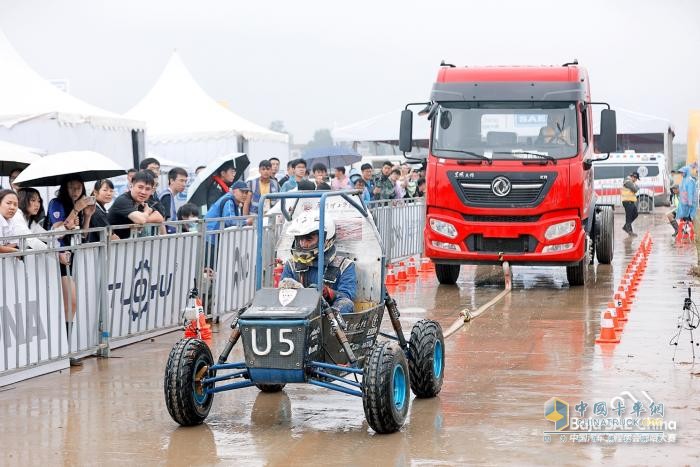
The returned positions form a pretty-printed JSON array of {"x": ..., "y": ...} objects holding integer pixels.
[
  {"x": 186, "y": 396},
  {"x": 426, "y": 360}
]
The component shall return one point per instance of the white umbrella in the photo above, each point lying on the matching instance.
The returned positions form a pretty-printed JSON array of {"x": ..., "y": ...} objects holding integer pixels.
[
  {"x": 13, "y": 156},
  {"x": 52, "y": 169},
  {"x": 197, "y": 192}
]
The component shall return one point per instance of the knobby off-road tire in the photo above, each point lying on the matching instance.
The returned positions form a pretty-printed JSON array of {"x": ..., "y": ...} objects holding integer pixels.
[
  {"x": 385, "y": 388},
  {"x": 426, "y": 362},
  {"x": 447, "y": 274},
  {"x": 605, "y": 238},
  {"x": 270, "y": 387},
  {"x": 187, "y": 402}
]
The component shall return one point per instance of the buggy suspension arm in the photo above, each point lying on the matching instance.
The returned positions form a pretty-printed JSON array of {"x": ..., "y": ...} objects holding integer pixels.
[{"x": 394, "y": 315}]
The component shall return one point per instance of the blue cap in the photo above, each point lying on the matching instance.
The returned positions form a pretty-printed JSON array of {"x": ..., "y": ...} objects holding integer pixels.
[{"x": 240, "y": 185}]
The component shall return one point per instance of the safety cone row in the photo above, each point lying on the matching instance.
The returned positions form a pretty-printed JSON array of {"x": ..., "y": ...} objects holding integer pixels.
[
  {"x": 616, "y": 314},
  {"x": 404, "y": 272},
  {"x": 390, "y": 276}
]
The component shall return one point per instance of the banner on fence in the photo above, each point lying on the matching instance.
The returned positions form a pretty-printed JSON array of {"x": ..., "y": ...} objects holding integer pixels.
[
  {"x": 148, "y": 282},
  {"x": 31, "y": 319},
  {"x": 234, "y": 277}
]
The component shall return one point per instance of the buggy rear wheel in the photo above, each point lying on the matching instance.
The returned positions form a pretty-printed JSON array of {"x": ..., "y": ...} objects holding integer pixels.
[
  {"x": 385, "y": 388},
  {"x": 426, "y": 360},
  {"x": 185, "y": 396}
]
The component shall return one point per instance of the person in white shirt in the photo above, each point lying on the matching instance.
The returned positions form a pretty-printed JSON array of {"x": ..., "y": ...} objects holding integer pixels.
[
  {"x": 26, "y": 217},
  {"x": 8, "y": 208}
]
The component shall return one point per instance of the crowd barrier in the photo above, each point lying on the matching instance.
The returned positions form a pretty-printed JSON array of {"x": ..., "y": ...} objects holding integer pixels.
[
  {"x": 400, "y": 224},
  {"x": 131, "y": 289}
]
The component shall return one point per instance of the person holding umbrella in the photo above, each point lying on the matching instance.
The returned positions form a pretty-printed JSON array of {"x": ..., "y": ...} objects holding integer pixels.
[
  {"x": 221, "y": 183},
  {"x": 216, "y": 179}
]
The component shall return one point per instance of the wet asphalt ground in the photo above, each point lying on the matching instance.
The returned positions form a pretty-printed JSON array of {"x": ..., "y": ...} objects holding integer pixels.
[{"x": 501, "y": 368}]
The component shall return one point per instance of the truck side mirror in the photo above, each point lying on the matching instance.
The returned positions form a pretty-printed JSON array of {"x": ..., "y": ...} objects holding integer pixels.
[
  {"x": 406, "y": 131},
  {"x": 608, "y": 131}
]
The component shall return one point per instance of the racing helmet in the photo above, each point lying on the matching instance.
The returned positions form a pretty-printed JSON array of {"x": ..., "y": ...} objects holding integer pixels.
[{"x": 307, "y": 224}]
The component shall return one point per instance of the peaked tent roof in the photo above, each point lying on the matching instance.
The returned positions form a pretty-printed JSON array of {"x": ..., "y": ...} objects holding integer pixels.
[
  {"x": 25, "y": 95},
  {"x": 178, "y": 109}
]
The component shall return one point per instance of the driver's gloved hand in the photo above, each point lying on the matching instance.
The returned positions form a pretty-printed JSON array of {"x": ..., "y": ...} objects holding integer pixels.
[
  {"x": 289, "y": 283},
  {"x": 328, "y": 294}
]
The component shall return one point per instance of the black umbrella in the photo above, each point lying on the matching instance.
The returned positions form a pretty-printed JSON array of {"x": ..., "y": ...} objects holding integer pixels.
[{"x": 197, "y": 192}]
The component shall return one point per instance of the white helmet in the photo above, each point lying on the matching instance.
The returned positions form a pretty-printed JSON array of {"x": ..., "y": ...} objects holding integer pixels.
[{"x": 308, "y": 223}]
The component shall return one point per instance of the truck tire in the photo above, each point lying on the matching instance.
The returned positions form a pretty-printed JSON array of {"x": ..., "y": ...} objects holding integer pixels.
[
  {"x": 386, "y": 388},
  {"x": 270, "y": 387},
  {"x": 605, "y": 236},
  {"x": 576, "y": 275},
  {"x": 186, "y": 398},
  {"x": 447, "y": 274},
  {"x": 426, "y": 361},
  {"x": 645, "y": 204}
]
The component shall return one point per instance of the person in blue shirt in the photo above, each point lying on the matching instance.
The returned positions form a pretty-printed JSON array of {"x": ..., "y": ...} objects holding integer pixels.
[
  {"x": 339, "y": 279},
  {"x": 688, "y": 199},
  {"x": 299, "y": 166},
  {"x": 229, "y": 205},
  {"x": 360, "y": 185}
]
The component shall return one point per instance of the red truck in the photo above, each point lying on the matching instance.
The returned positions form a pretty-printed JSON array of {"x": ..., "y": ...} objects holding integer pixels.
[{"x": 509, "y": 169}]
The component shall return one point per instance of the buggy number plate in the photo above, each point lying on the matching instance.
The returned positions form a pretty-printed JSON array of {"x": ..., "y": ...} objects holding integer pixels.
[{"x": 285, "y": 348}]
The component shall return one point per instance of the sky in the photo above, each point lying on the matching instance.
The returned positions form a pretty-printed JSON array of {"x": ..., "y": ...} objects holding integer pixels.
[{"x": 320, "y": 64}]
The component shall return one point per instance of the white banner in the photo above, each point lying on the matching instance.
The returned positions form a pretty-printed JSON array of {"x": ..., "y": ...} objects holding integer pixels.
[
  {"x": 235, "y": 269},
  {"x": 148, "y": 282},
  {"x": 31, "y": 318}
]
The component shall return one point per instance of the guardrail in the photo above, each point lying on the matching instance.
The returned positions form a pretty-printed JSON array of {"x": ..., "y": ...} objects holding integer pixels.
[{"x": 126, "y": 290}]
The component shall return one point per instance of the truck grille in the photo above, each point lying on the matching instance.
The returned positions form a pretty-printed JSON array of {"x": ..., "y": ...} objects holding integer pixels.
[
  {"x": 522, "y": 244},
  {"x": 501, "y": 219},
  {"x": 522, "y": 189}
]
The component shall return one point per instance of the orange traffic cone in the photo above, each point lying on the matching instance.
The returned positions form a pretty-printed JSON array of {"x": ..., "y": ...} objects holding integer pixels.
[
  {"x": 607, "y": 330},
  {"x": 619, "y": 307},
  {"x": 412, "y": 271},
  {"x": 626, "y": 305},
  {"x": 390, "y": 276},
  {"x": 613, "y": 312},
  {"x": 204, "y": 329},
  {"x": 425, "y": 265},
  {"x": 402, "y": 276}
]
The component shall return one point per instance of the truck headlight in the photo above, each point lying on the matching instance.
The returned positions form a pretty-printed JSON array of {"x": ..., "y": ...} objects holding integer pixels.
[
  {"x": 555, "y": 248},
  {"x": 446, "y": 246},
  {"x": 559, "y": 230},
  {"x": 443, "y": 228}
]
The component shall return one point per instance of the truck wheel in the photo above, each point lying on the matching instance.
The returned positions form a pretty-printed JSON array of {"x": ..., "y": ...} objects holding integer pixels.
[
  {"x": 185, "y": 396},
  {"x": 576, "y": 275},
  {"x": 447, "y": 273},
  {"x": 426, "y": 361},
  {"x": 385, "y": 388},
  {"x": 605, "y": 237},
  {"x": 270, "y": 387},
  {"x": 645, "y": 204}
]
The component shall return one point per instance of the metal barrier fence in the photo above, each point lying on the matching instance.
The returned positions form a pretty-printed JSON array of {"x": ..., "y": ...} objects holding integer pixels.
[
  {"x": 126, "y": 290},
  {"x": 400, "y": 224}
]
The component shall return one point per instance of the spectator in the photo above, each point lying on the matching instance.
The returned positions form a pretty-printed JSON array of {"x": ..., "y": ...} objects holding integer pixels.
[
  {"x": 674, "y": 201},
  {"x": 290, "y": 172},
  {"x": 628, "y": 193},
  {"x": 229, "y": 205},
  {"x": 13, "y": 176},
  {"x": 384, "y": 187},
  {"x": 152, "y": 164},
  {"x": 405, "y": 175},
  {"x": 199, "y": 169},
  {"x": 189, "y": 212},
  {"x": 177, "y": 182},
  {"x": 299, "y": 174},
  {"x": 688, "y": 201},
  {"x": 221, "y": 183},
  {"x": 27, "y": 217},
  {"x": 420, "y": 190},
  {"x": 129, "y": 175},
  {"x": 396, "y": 178},
  {"x": 103, "y": 192},
  {"x": 320, "y": 176},
  {"x": 264, "y": 185},
  {"x": 8, "y": 208},
  {"x": 412, "y": 184},
  {"x": 306, "y": 185},
  {"x": 366, "y": 173},
  {"x": 360, "y": 185},
  {"x": 341, "y": 181},
  {"x": 275, "y": 168},
  {"x": 132, "y": 207}
]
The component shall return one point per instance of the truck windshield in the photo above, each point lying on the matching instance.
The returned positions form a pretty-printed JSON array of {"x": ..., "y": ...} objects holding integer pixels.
[{"x": 505, "y": 130}]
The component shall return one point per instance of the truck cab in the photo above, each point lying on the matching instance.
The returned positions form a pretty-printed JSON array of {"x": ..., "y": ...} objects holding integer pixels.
[{"x": 509, "y": 169}]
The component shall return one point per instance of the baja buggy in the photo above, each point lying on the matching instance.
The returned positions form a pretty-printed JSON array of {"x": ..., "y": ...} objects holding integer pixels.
[{"x": 293, "y": 336}]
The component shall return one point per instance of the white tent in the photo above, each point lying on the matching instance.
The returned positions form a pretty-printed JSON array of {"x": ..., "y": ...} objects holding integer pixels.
[
  {"x": 35, "y": 113},
  {"x": 186, "y": 125},
  {"x": 631, "y": 122}
]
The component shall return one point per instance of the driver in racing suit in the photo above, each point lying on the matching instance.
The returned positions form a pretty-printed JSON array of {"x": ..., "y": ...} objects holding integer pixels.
[{"x": 339, "y": 285}]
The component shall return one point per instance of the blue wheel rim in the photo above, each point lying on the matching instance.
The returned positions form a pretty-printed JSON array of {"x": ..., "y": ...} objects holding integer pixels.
[
  {"x": 200, "y": 399},
  {"x": 437, "y": 359},
  {"x": 399, "y": 387}
]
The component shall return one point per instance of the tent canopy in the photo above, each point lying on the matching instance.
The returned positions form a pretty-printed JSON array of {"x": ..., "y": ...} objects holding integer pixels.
[
  {"x": 631, "y": 122},
  {"x": 25, "y": 96},
  {"x": 178, "y": 109}
]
